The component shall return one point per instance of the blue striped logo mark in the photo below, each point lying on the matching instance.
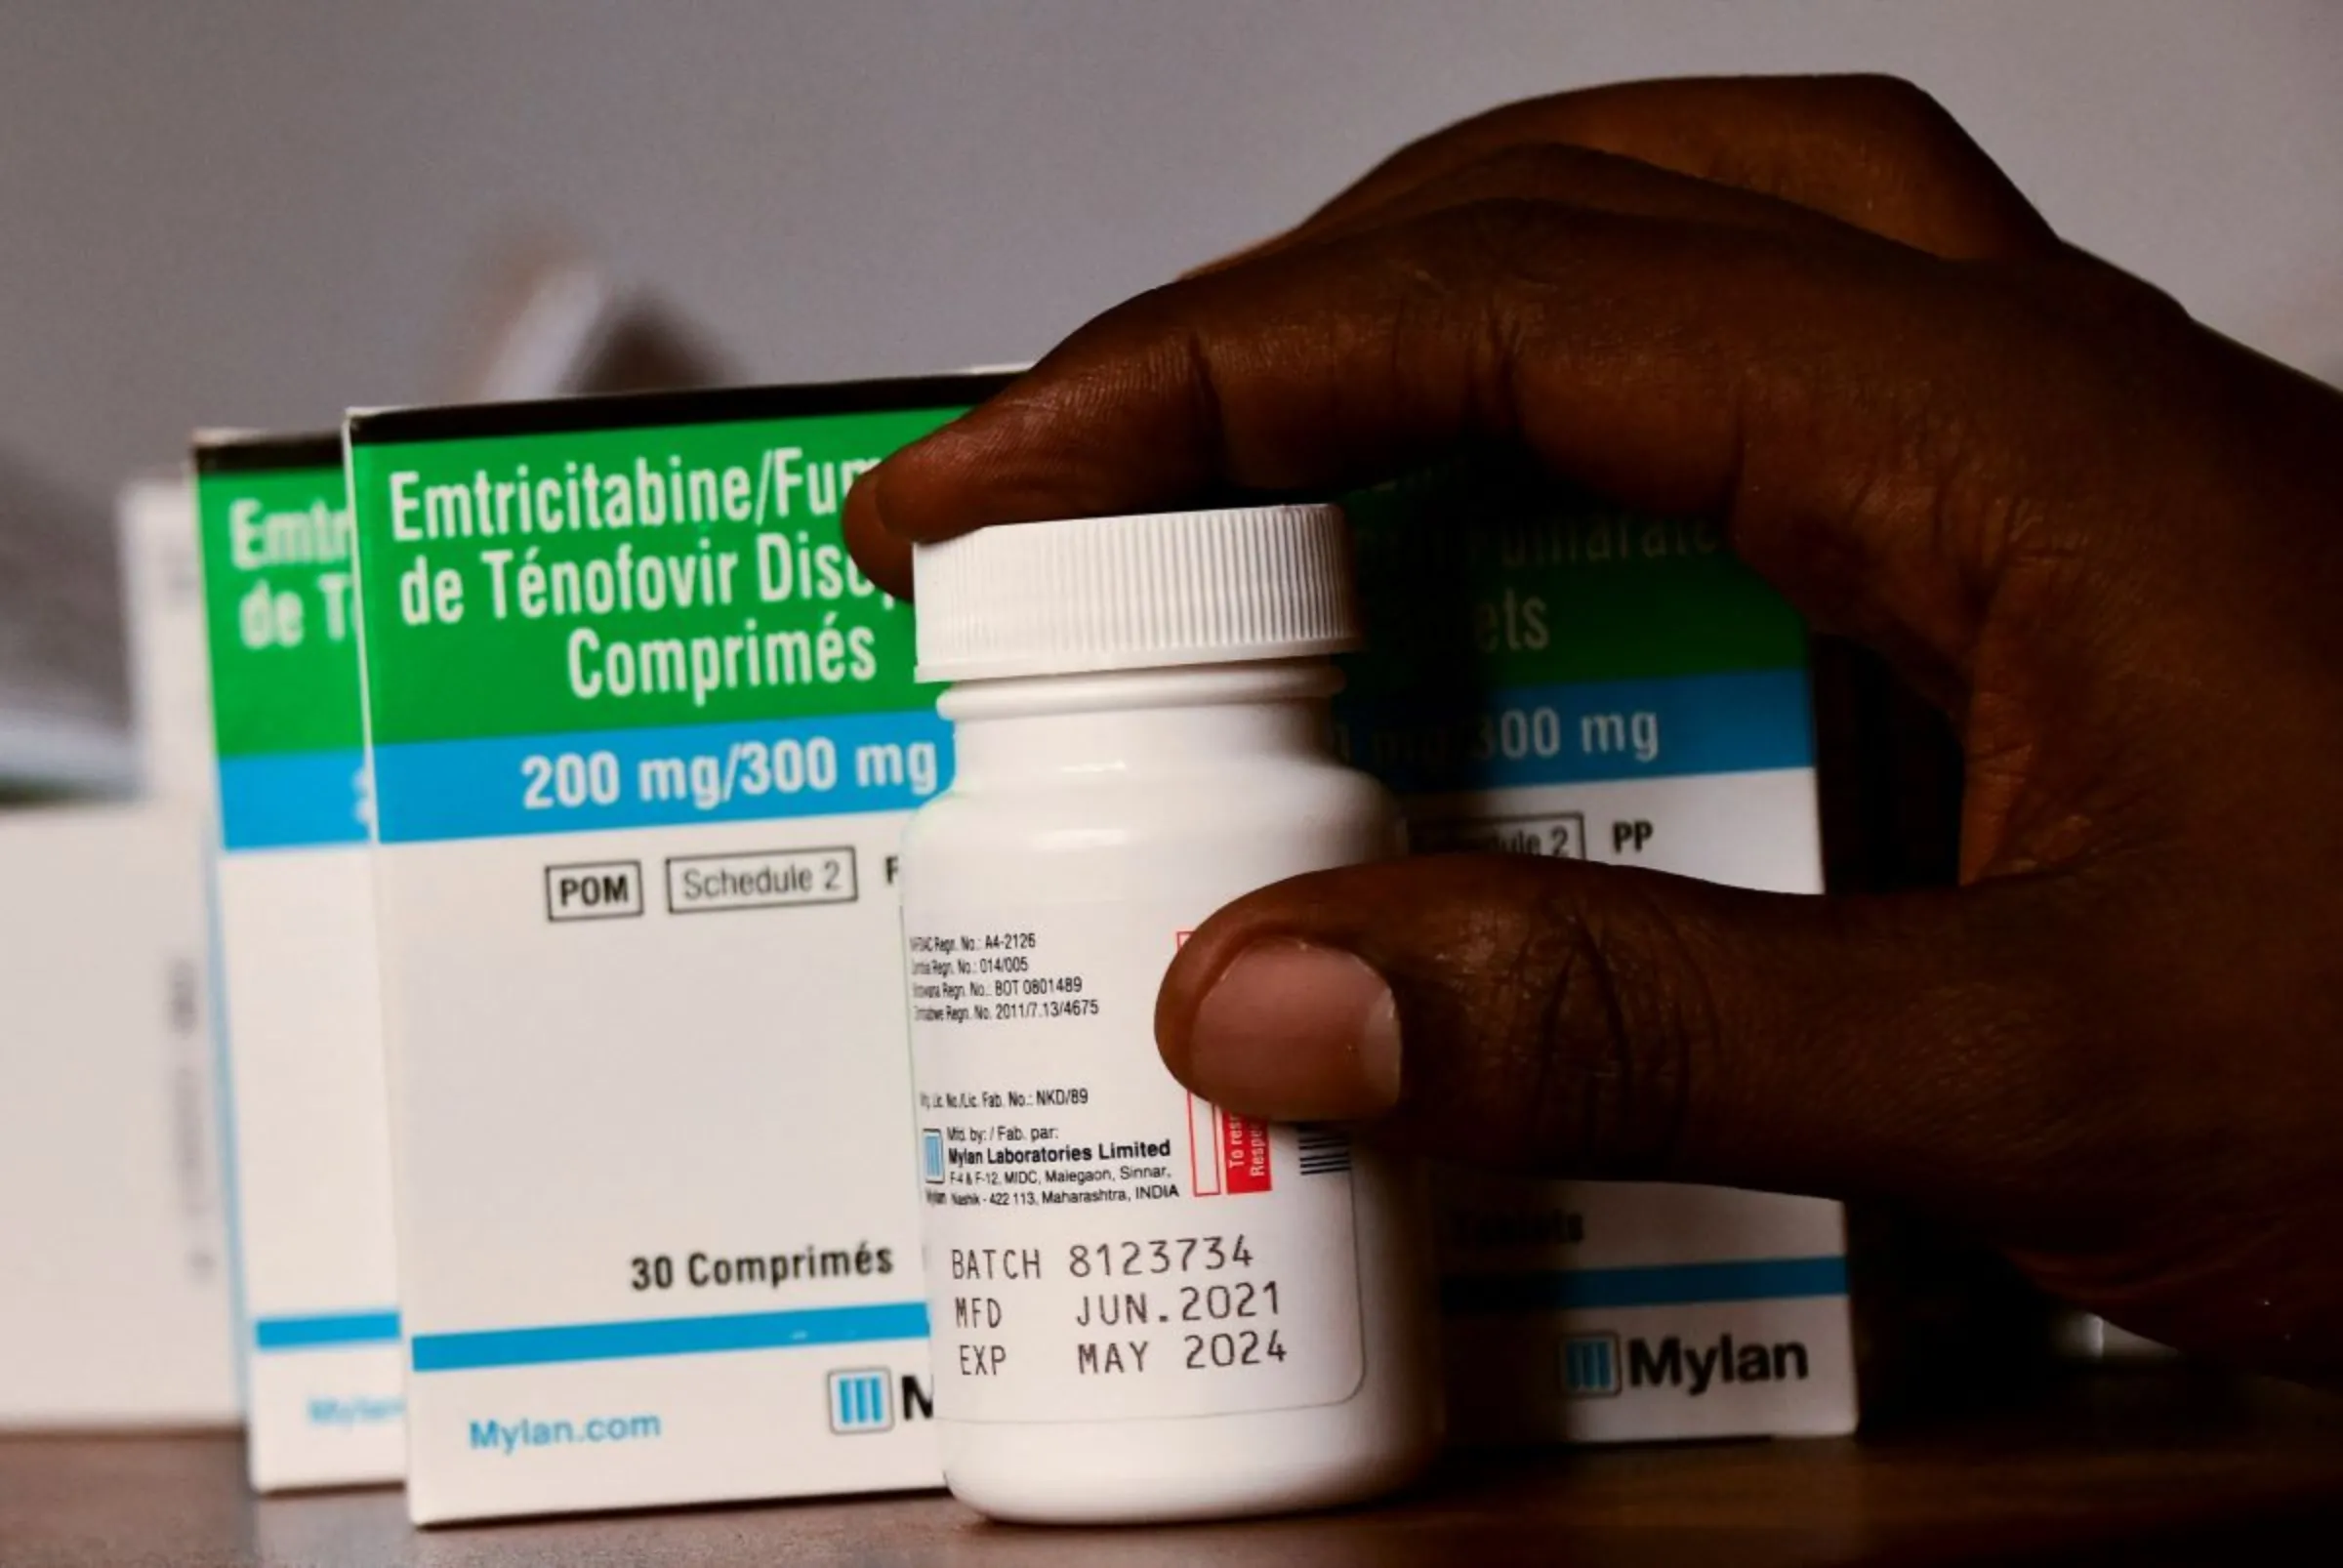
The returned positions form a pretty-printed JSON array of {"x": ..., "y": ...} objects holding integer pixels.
[
  {"x": 325, "y": 1331},
  {"x": 669, "y": 1336},
  {"x": 859, "y": 1402},
  {"x": 1571, "y": 1290},
  {"x": 1590, "y": 1365}
]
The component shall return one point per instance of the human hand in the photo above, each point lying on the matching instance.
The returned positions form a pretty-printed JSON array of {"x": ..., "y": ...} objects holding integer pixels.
[{"x": 2107, "y": 542}]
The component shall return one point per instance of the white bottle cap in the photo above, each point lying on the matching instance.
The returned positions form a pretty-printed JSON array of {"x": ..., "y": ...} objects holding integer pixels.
[{"x": 1132, "y": 592}]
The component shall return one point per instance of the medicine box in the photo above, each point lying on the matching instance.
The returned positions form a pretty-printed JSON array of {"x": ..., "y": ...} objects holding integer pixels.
[
  {"x": 294, "y": 898},
  {"x": 118, "y": 1304},
  {"x": 1549, "y": 675},
  {"x": 644, "y": 741},
  {"x": 117, "y": 1307},
  {"x": 162, "y": 597},
  {"x": 64, "y": 726}
]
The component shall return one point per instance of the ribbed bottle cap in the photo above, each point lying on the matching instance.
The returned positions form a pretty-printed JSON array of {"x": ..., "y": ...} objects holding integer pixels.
[{"x": 1132, "y": 592}]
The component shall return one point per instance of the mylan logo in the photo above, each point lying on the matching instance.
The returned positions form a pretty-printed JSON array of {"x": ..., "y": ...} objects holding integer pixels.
[
  {"x": 1598, "y": 1366},
  {"x": 868, "y": 1399},
  {"x": 1590, "y": 1365},
  {"x": 1697, "y": 1368},
  {"x": 859, "y": 1400}
]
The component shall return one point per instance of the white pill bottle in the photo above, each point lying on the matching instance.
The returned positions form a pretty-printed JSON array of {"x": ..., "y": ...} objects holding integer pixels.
[{"x": 1142, "y": 1307}]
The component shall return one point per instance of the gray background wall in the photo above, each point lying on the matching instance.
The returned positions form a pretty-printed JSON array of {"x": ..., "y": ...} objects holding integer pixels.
[{"x": 258, "y": 211}]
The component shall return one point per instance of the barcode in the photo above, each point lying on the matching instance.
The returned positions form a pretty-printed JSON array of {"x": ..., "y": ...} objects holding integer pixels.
[{"x": 1325, "y": 1150}]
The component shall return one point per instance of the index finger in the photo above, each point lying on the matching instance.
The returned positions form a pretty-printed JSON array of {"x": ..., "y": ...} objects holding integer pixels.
[{"x": 1775, "y": 383}]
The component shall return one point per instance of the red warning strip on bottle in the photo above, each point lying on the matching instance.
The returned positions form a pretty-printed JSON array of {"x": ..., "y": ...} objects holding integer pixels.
[
  {"x": 1243, "y": 1153},
  {"x": 1226, "y": 1152}
]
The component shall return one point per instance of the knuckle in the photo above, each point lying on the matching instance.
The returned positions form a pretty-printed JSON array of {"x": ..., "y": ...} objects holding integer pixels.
[
  {"x": 2117, "y": 307},
  {"x": 1897, "y": 107},
  {"x": 1505, "y": 228},
  {"x": 1925, "y": 181},
  {"x": 1484, "y": 281},
  {"x": 1509, "y": 246},
  {"x": 1530, "y": 166},
  {"x": 1610, "y": 1016}
]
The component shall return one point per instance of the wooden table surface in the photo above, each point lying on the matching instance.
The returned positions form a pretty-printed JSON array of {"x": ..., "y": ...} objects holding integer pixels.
[{"x": 2129, "y": 1467}]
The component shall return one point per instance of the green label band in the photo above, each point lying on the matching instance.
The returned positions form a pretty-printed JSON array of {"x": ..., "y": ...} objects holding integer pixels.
[
  {"x": 618, "y": 579},
  {"x": 280, "y": 611},
  {"x": 1479, "y": 577}
]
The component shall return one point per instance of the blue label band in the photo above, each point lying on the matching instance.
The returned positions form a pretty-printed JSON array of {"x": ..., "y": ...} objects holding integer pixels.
[
  {"x": 325, "y": 1331},
  {"x": 297, "y": 800},
  {"x": 1582, "y": 732},
  {"x": 508, "y": 787},
  {"x": 669, "y": 1337},
  {"x": 1568, "y": 1289}
]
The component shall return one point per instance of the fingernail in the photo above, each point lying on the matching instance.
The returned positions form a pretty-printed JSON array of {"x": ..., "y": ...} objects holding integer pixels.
[{"x": 1297, "y": 1033}]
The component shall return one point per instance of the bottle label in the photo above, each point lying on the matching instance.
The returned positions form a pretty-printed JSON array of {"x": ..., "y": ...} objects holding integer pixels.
[{"x": 1101, "y": 1243}]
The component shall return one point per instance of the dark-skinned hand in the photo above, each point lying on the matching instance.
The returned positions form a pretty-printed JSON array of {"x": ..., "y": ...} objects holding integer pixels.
[{"x": 2105, "y": 540}]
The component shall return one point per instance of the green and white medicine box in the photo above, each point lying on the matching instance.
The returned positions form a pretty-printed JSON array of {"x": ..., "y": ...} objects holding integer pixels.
[
  {"x": 296, "y": 932},
  {"x": 644, "y": 742},
  {"x": 1549, "y": 675}
]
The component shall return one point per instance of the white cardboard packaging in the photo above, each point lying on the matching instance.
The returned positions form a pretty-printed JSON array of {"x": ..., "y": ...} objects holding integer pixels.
[
  {"x": 62, "y": 726},
  {"x": 654, "y": 1169},
  {"x": 1549, "y": 676},
  {"x": 298, "y": 966},
  {"x": 170, "y": 680},
  {"x": 118, "y": 1308}
]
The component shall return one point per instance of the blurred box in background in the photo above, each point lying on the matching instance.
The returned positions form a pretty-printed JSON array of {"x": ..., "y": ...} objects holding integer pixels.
[
  {"x": 118, "y": 1308},
  {"x": 64, "y": 711},
  {"x": 162, "y": 597},
  {"x": 119, "y": 1303},
  {"x": 295, "y": 911},
  {"x": 542, "y": 319}
]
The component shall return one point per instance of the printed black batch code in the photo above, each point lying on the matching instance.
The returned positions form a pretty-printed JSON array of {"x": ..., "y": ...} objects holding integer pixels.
[
  {"x": 1191, "y": 1301},
  {"x": 1174, "y": 1300}
]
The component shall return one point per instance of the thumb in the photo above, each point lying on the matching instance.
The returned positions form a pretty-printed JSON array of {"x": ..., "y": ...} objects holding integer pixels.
[{"x": 1594, "y": 1021}]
